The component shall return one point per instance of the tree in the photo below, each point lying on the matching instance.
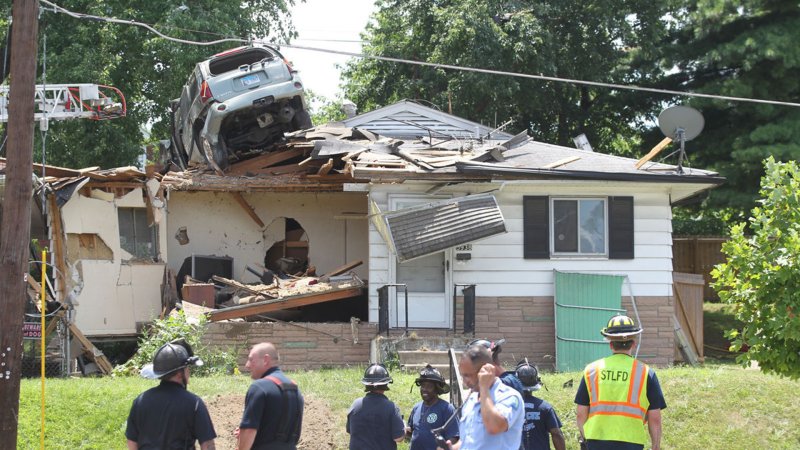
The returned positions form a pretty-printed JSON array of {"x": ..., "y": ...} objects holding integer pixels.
[
  {"x": 597, "y": 40},
  {"x": 762, "y": 274},
  {"x": 745, "y": 49},
  {"x": 149, "y": 70}
]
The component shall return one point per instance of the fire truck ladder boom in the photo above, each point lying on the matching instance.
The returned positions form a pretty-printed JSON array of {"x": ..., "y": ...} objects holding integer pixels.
[{"x": 71, "y": 101}]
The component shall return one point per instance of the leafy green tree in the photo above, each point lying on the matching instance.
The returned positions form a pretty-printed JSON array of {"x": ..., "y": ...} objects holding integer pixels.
[
  {"x": 597, "y": 40},
  {"x": 761, "y": 277},
  {"x": 746, "y": 49},
  {"x": 149, "y": 70},
  {"x": 323, "y": 109}
]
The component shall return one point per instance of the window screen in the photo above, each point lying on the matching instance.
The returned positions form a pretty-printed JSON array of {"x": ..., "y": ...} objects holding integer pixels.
[
  {"x": 135, "y": 237},
  {"x": 579, "y": 226}
]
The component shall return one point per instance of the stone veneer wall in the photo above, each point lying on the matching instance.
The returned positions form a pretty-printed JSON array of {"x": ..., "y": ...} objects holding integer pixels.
[
  {"x": 527, "y": 324},
  {"x": 299, "y": 347}
]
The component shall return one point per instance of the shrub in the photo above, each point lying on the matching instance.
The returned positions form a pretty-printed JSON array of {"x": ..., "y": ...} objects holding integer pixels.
[
  {"x": 761, "y": 277},
  {"x": 173, "y": 327}
]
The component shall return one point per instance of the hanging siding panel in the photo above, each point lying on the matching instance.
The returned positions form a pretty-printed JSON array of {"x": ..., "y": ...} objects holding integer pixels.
[{"x": 584, "y": 303}]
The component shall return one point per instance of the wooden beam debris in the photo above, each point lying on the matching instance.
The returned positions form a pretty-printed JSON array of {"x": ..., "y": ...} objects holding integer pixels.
[
  {"x": 284, "y": 303},
  {"x": 247, "y": 208},
  {"x": 340, "y": 270},
  {"x": 655, "y": 151}
]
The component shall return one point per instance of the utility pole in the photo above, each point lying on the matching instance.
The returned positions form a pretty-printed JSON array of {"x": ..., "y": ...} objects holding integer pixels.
[{"x": 16, "y": 222}]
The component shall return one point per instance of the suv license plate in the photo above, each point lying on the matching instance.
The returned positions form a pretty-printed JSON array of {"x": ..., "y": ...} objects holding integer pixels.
[{"x": 250, "y": 80}]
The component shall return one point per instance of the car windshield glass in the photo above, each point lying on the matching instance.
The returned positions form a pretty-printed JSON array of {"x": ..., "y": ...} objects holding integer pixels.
[{"x": 231, "y": 62}]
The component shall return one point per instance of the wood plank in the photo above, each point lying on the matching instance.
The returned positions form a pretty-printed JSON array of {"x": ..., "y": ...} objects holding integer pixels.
[
  {"x": 655, "y": 151},
  {"x": 244, "y": 287},
  {"x": 288, "y": 168},
  {"x": 342, "y": 269},
  {"x": 262, "y": 161},
  {"x": 247, "y": 208},
  {"x": 59, "y": 253},
  {"x": 284, "y": 303},
  {"x": 98, "y": 356},
  {"x": 561, "y": 162},
  {"x": 326, "y": 167}
]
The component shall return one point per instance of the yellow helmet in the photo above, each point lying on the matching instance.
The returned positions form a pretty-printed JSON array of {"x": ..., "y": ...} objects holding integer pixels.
[{"x": 621, "y": 328}]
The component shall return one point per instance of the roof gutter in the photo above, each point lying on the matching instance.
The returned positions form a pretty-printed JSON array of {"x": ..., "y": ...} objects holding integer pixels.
[{"x": 488, "y": 169}]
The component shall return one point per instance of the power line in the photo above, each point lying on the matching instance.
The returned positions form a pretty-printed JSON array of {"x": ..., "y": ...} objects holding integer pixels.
[{"x": 627, "y": 87}]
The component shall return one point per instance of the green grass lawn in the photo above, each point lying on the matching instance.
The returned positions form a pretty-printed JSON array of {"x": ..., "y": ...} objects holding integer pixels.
[{"x": 713, "y": 407}]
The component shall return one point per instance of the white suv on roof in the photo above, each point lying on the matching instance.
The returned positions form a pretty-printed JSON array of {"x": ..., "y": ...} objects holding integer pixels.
[{"x": 238, "y": 100}]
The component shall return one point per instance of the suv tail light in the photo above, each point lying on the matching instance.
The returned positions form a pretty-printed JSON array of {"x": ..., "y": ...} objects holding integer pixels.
[
  {"x": 205, "y": 92},
  {"x": 289, "y": 65}
]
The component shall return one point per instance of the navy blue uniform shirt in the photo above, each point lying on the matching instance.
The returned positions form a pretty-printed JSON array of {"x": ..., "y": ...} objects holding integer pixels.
[
  {"x": 540, "y": 418},
  {"x": 374, "y": 423},
  {"x": 168, "y": 417},
  {"x": 424, "y": 418},
  {"x": 263, "y": 409}
]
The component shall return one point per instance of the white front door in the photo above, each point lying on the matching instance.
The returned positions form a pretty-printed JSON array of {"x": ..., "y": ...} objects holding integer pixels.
[{"x": 429, "y": 284}]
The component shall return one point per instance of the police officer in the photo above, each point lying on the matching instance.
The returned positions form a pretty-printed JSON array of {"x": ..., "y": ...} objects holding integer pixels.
[
  {"x": 431, "y": 413},
  {"x": 273, "y": 406},
  {"x": 169, "y": 416},
  {"x": 373, "y": 421},
  {"x": 541, "y": 421},
  {"x": 492, "y": 413},
  {"x": 619, "y": 395}
]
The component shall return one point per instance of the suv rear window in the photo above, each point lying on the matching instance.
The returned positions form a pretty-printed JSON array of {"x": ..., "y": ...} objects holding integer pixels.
[{"x": 230, "y": 62}]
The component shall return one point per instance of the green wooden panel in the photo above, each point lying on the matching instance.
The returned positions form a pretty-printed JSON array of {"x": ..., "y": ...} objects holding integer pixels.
[{"x": 584, "y": 303}]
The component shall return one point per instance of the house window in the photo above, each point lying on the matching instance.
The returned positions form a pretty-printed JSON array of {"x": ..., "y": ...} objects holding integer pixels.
[
  {"x": 135, "y": 236},
  {"x": 579, "y": 226}
]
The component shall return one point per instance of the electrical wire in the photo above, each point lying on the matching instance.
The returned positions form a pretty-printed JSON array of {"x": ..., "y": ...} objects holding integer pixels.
[{"x": 624, "y": 87}]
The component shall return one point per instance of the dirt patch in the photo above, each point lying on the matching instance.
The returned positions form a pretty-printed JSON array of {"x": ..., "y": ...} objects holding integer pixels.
[{"x": 318, "y": 424}]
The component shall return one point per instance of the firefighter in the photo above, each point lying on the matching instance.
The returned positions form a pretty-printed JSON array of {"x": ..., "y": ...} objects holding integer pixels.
[
  {"x": 431, "y": 413},
  {"x": 541, "y": 421},
  {"x": 619, "y": 395},
  {"x": 168, "y": 415},
  {"x": 273, "y": 406},
  {"x": 374, "y": 422}
]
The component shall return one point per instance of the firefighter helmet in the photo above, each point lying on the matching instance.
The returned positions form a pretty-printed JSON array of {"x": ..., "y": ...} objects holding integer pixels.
[
  {"x": 430, "y": 373},
  {"x": 376, "y": 375},
  {"x": 621, "y": 328},
  {"x": 528, "y": 374},
  {"x": 170, "y": 358}
]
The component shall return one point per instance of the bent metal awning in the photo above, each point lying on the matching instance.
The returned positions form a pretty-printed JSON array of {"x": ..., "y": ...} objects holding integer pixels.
[{"x": 434, "y": 227}]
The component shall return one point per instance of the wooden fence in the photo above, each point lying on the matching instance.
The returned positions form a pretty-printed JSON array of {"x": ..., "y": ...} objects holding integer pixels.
[
  {"x": 698, "y": 255},
  {"x": 688, "y": 314}
]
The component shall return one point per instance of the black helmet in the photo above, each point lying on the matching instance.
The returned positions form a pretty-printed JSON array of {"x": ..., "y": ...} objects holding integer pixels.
[
  {"x": 376, "y": 375},
  {"x": 528, "y": 374},
  {"x": 429, "y": 373},
  {"x": 620, "y": 328},
  {"x": 493, "y": 347},
  {"x": 171, "y": 357}
]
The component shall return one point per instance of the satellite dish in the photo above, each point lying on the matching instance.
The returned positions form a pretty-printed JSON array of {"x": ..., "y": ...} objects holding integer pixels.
[{"x": 681, "y": 123}]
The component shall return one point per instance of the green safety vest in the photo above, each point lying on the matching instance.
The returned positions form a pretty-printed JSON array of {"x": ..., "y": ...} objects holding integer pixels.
[{"x": 618, "y": 402}]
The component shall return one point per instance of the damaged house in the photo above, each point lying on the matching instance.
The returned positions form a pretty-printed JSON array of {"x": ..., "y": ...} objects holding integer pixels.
[{"x": 401, "y": 221}]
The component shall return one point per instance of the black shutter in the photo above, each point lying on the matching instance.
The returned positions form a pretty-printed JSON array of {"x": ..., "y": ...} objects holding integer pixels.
[
  {"x": 620, "y": 227},
  {"x": 536, "y": 223}
]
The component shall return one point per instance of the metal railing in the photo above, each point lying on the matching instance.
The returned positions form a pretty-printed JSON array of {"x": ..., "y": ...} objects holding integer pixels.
[{"x": 383, "y": 307}]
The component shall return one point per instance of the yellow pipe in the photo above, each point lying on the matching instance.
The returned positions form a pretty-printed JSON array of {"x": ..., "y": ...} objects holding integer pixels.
[{"x": 43, "y": 311}]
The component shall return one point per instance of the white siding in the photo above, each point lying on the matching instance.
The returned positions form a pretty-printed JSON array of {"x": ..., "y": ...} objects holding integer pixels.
[{"x": 498, "y": 268}]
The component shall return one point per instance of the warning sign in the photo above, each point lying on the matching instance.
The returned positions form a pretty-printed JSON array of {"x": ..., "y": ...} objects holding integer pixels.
[{"x": 31, "y": 330}]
